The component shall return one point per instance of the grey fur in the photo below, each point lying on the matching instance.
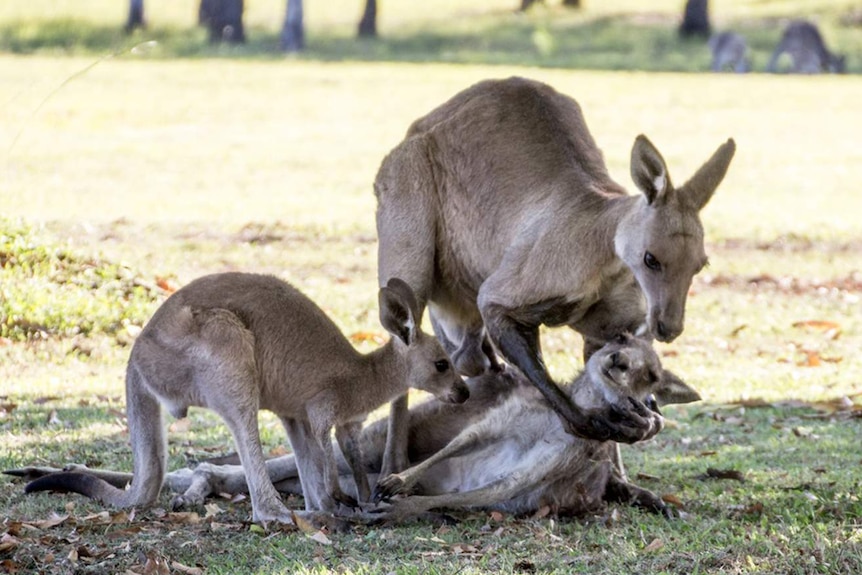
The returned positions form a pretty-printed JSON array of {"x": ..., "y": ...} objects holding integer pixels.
[
  {"x": 483, "y": 427},
  {"x": 498, "y": 210},
  {"x": 237, "y": 343},
  {"x": 802, "y": 41},
  {"x": 729, "y": 52}
]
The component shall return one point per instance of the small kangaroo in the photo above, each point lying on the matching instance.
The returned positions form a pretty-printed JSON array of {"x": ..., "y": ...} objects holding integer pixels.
[
  {"x": 802, "y": 41},
  {"x": 496, "y": 468},
  {"x": 729, "y": 51},
  {"x": 237, "y": 343},
  {"x": 498, "y": 210}
]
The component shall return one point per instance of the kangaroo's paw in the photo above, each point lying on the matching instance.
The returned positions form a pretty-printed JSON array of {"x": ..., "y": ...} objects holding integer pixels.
[
  {"x": 391, "y": 485},
  {"x": 342, "y": 499},
  {"x": 626, "y": 424}
]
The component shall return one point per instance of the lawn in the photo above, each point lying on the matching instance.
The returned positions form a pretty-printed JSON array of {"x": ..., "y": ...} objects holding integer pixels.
[{"x": 126, "y": 176}]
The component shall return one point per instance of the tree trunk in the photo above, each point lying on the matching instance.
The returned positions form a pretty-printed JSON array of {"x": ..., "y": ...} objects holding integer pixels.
[
  {"x": 292, "y": 35},
  {"x": 695, "y": 19},
  {"x": 526, "y": 4},
  {"x": 223, "y": 20},
  {"x": 572, "y": 3},
  {"x": 368, "y": 24},
  {"x": 136, "y": 15}
]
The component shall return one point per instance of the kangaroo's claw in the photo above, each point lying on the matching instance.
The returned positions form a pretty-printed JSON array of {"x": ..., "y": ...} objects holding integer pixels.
[
  {"x": 389, "y": 486},
  {"x": 623, "y": 425}
]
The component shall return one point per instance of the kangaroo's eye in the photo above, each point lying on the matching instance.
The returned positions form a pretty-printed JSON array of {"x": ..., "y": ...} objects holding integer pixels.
[
  {"x": 651, "y": 262},
  {"x": 441, "y": 365}
]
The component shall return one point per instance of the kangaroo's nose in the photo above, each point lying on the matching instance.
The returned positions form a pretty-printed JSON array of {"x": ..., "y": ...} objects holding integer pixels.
[
  {"x": 667, "y": 333},
  {"x": 460, "y": 394}
]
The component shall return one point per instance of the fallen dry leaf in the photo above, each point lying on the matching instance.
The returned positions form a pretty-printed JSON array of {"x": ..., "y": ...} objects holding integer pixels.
[
  {"x": 185, "y": 569},
  {"x": 212, "y": 510},
  {"x": 180, "y": 425},
  {"x": 812, "y": 359},
  {"x": 496, "y": 516},
  {"x": 464, "y": 548},
  {"x": 804, "y": 433},
  {"x": 654, "y": 545},
  {"x": 543, "y": 511},
  {"x": 166, "y": 284},
  {"x": 100, "y": 518},
  {"x": 278, "y": 451},
  {"x": 713, "y": 473},
  {"x": 362, "y": 336},
  {"x": 8, "y": 542},
  {"x": 816, "y": 324},
  {"x": 320, "y": 537},
  {"x": 184, "y": 517},
  {"x": 738, "y": 329},
  {"x": 304, "y": 525},
  {"x": 52, "y": 521},
  {"x": 672, "y": 499},
  {"x": 647, "y": 477}
]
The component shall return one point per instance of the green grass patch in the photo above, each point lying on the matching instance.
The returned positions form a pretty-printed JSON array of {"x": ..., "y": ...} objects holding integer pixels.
[
  {"x": 616, "y": 36},
  {"x": 50, "y": 291},
  {"x": 185, "y": 159}
]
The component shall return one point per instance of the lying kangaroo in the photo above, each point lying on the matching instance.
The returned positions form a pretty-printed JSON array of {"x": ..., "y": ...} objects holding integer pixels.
[
  {"x": 513, "y": 467},
  {"x": 520, "y": 468},
  {"x": 729, "y": 51},
  {"x": 802, "y": 41},
  {"x": 498, "y": 210},
  {"x": 237, "y": 343}
]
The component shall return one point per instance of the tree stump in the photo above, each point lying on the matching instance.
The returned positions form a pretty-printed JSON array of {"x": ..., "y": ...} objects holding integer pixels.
[
  {"x": 695, "y": 19},
  {"x": 223, "y": 20}
]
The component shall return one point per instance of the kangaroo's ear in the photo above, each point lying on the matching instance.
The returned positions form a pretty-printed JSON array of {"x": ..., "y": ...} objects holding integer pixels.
[
  {"x": 699, "y": 189},
  {"x": 649, "y": 170},
  {"x": 672, "y": 389},
  {"x": 399, "y": 310}
]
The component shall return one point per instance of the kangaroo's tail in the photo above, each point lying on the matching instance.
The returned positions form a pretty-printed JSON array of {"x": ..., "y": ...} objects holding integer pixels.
[{"x": 149, "y": 452}]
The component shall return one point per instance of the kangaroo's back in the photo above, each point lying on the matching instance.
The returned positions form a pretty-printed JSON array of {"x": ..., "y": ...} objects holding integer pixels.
[
  {"x": 504, "y": 156},
  {"x": 729, "y": 51},
  {"x": 504, "y": 122},
  {"x": 805, "y": 46}
]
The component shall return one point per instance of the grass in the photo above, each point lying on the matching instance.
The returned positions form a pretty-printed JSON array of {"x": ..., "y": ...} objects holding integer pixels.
[
  {"x": 147, "y": 170},
  {"x": 619, "y": 35}
]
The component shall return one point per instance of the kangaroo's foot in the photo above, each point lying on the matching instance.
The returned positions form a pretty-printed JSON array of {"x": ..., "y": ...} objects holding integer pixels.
[{"x": 273, "y": 512}]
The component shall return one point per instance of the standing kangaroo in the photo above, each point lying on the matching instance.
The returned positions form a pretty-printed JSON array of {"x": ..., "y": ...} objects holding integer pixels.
[
  {"x": 238, "y": 343},
  {"x": 729, "y": 51},
  {"x": 802, "y": 41},
  {"x": 498, "y": 210},
  {"x": 512, "y": 451}
]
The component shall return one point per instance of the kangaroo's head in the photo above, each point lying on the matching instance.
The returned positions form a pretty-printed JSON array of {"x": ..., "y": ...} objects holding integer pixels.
[
  {"x": 661, "y": 237},
  {"x": 427, "y": 366},
  {"x": 629, "y": 367}
]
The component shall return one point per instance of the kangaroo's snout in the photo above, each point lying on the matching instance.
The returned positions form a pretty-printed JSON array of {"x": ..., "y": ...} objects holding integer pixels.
[
  {"x": 664, "y": 330},
  {"x": 459, "y": 394}
]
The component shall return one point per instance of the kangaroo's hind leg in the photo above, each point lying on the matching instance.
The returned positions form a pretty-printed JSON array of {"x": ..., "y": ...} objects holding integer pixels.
[{"x": 226, "y": 378}]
